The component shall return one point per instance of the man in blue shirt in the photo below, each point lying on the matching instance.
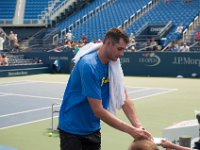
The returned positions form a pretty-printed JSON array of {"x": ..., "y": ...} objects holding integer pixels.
[{"x": 86, "y": 99}]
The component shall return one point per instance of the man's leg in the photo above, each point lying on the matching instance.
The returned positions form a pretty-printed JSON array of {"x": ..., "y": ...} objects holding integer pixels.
[
  {"x": 69, "y": 141},
  {"x": 92, "y": 141}
]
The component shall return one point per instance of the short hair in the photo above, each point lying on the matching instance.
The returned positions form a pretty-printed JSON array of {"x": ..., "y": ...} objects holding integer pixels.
[
  {"x": 143, "y": 144},
  {"x": 115, "y": 34}
]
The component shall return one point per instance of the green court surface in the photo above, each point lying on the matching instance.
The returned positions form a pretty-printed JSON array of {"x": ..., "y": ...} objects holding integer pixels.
[{"x": 155, "y": 112}]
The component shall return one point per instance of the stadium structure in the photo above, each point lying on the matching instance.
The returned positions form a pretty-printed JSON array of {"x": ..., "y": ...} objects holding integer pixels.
[{"x": 42, "y": 26}]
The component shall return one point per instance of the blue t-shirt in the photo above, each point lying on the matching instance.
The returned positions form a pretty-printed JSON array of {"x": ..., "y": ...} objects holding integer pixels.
[{"x": 89, "y": 78}]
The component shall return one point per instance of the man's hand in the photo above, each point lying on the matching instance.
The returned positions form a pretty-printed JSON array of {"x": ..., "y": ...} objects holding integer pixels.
[{"x": 140, "y": 132}]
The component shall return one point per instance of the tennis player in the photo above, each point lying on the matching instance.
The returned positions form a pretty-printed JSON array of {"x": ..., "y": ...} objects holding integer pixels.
[{"x": 87, "y": 97}]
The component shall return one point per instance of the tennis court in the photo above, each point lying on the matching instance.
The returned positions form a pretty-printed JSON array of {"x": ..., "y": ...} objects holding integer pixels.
[
  {"x": 30, "y": 101},
  {"x": 25, "y": 108}
]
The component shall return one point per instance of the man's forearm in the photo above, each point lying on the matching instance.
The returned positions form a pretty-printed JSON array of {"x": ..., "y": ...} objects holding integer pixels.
[
  {"x": 178, "y": 147},
  {"x": 131, "y": 114},
  {"x": 113, "y": 121}
]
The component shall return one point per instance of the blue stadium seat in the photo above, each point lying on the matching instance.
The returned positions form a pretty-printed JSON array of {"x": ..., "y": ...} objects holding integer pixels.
[
  {"x": 112, "y": 16},
  {"x": 176, "y": 11},
  {"x": 35, "y": 7},
  {"x": 7, "y": 9}
]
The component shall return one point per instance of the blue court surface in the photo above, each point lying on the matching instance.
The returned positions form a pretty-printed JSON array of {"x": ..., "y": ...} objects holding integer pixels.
[
  {"x": 3, "y": 147},
  {"x": 26, "y": 102}
]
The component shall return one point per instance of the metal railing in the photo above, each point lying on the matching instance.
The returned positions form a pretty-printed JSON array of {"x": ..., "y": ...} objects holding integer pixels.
[{"x": 189, "y": 32}]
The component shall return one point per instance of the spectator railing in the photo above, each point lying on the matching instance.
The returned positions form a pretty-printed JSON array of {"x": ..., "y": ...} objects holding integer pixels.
[
  {"x": 138, "y": 14},
  {"x": 188, "y": 32},
  {"x": 27, "y": 22}
]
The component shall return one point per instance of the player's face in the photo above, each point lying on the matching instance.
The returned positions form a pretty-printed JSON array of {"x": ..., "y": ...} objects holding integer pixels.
[{"x": 115, "y": 51}]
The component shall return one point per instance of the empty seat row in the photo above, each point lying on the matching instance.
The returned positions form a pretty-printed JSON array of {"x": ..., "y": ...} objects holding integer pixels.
[
  {"x": 175, "y": 11},
  {"x": 34, "y": 8},
  {"x": 7, "y": 9}
]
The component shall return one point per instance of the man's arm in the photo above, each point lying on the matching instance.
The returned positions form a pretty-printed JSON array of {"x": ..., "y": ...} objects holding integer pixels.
[
  {"x": 113, "y": 121},
  {"x": 169, "y": 145},
  {"x": 130, "y": 112}
]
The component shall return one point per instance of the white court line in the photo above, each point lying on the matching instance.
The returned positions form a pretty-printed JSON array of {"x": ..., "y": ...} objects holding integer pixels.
[
  {"x": 28, "y": 81},
  {"x": 129, "y": 86},
  {"x": 27, "y": 111},
  {"x": 150, "y": 88},
  {"x": 14, "y": 83},
  {"x": 22, "y": 112},
  {"x": 46, "y": 82},
  {"x": 155, "y": 94},
  {"x": 21, "y": 124},
  {"x": 136, "y": 91},
  {"x": 25, "y": 95},
  {"x": 5, "y": 94},
  {"x": 34, "y": 81}
]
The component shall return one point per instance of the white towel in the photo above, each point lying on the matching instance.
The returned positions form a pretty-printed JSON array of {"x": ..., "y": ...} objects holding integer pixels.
[
  {"x": 117, "y": 90},
  {"x": 86, "y": 49},
  {"x": 115, "y": 74}
]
